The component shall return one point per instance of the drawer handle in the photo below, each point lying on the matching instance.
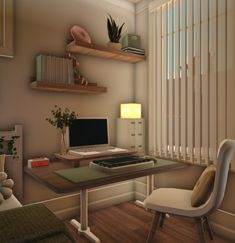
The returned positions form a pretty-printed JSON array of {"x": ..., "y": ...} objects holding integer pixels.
[
  {"x": 140, "y": 146},
  {"x": 140, "y": 134},
  {"x": 132, "y": 122},
  {"x": 140, "y": 122},
  {"x": 132, "y": 146},
  {"x": 133, "y": 135}
]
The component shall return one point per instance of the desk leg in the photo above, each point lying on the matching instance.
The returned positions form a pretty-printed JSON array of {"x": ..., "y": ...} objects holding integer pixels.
[
  {"x": 82, "y": 227},
  {"x": 150, "y": 188}
]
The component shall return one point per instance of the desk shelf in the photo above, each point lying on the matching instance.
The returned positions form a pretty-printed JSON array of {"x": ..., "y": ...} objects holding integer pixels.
[
  {"x": 72, "y": 88},
  {"x": 103, "y": 52}
]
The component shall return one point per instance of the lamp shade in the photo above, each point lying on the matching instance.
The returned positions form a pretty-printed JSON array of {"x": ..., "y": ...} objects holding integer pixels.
[{"x": 131, "y": 110}]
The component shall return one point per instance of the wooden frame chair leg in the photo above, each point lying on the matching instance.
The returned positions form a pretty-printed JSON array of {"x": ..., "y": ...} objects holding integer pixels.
[
  {"x": 209, "y": 228},
  {"x": 163, "y": 215},
  {"x": 200, "y": 222},
  {"x": 154, "y": 225}
]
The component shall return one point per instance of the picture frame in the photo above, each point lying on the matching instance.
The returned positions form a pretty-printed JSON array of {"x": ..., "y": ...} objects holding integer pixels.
[{"x": 7, "y": 28}]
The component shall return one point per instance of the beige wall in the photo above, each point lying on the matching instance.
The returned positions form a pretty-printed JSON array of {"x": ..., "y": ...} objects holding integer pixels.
[
  {"x": 43, "y": 27},
  {"x": 184, "y": 178}
]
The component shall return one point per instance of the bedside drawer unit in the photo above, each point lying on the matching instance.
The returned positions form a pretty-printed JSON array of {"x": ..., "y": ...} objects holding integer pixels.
[{"x": 130, "y": 134}]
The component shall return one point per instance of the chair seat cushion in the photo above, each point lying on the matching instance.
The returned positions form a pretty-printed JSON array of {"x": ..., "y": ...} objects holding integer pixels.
[
  {"x": 203, "y": 186},
  {"x": 170, "y": 200}
]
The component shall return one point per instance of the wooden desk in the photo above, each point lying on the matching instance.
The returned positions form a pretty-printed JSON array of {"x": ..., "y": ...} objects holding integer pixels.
[{"x": 46, "y": 176}]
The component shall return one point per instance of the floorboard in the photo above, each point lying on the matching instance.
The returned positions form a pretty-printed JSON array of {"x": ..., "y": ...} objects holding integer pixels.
[{"x": 128, "y": 223}]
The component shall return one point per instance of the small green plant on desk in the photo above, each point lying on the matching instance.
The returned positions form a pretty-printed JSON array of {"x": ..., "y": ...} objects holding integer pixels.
[
  {"x": 10, "y": 146},
  {"x": 61, "y": 120}
]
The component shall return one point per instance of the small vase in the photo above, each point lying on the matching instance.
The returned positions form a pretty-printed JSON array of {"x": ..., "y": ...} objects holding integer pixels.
[
  {"x": 115, "y": 45},
  {"x": 63, "y": 149}
]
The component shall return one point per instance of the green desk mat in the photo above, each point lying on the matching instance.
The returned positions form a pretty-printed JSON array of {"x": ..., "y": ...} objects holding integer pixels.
[{"x": 81, "y": 174}]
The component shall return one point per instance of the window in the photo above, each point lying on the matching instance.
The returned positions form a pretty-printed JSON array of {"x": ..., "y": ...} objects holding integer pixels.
[{"x": 189, "y": 62}]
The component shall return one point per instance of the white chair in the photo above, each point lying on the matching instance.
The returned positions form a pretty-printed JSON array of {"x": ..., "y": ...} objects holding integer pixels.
[{"x": 178, "y": 201}]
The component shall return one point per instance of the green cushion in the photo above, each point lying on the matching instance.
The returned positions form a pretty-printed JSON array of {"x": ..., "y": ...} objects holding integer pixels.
[
  {"x": 203, "y": 186},
  {"x": 59, "y": 238},
  {"x": 29, "y": 224}
]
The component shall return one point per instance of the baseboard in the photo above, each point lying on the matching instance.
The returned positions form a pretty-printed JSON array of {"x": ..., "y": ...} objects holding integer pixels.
[
  {"x": 100, "y": 197},
  {"x": 227, "y": 230},
  {"x": 74, "y": 211},
  {"x": 139, "y": 196},
  {"x": 140, "y": 187},
  {"x": 223, "y": 232}
]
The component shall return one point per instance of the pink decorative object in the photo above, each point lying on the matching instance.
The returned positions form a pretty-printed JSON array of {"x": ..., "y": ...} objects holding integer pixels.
[{"x": 79, "y": 34}]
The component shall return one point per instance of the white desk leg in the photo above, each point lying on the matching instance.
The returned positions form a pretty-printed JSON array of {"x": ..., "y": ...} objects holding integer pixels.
[
  {"x": 150, "y": 188},
  {"x": 150, "y": 184},
  {"x": 82, "y": 227}
]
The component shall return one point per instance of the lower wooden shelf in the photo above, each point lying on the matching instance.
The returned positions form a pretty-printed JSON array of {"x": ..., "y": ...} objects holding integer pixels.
[{"x": 73, "y": 88}]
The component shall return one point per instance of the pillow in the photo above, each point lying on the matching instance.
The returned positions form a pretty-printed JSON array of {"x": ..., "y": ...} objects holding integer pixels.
[
  {"x": 203, "y": 187},
  {"x": 5, "y": 186},
  {"x": 2, "y": 162}
]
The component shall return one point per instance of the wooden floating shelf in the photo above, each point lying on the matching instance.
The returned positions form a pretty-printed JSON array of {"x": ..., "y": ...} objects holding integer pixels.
[
  {"x": 73, "y": 88},
  {"x": 103, "y": 52}
]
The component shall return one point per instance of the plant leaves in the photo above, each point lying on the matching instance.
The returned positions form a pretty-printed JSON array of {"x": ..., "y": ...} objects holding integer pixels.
[{"x": 114, "y": 31}]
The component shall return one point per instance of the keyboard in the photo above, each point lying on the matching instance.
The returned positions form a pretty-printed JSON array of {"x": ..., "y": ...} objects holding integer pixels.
[{"x": 123, "y": 163}]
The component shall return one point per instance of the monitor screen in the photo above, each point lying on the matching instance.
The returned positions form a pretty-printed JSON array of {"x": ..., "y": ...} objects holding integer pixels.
[{"x": 88, "y": 131}]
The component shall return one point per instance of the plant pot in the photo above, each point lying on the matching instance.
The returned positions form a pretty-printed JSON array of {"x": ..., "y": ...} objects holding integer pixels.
[{"x": 114, "y": 45}]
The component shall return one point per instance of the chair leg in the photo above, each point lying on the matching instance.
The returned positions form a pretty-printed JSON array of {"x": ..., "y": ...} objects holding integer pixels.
[
  {"x": 154, "y": 225},
  {"x": 209, "y": 228},
  {"x": 163, "y": 215},
  {"x": 200, "y": 222}
]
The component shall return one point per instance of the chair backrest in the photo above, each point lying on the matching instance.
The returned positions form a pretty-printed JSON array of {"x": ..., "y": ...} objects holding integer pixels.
[{"x": 224, "y": 156}]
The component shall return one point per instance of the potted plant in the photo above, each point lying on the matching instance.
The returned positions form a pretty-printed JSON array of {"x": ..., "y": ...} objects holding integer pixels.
[
  {"x": 11, "y": 149},
  {"x": 114, "y": 33},
  {"x": 62, "y": 119}
]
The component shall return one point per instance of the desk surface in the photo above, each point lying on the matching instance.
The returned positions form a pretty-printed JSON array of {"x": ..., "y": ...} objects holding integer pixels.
[{"x": 48, "y": 177}]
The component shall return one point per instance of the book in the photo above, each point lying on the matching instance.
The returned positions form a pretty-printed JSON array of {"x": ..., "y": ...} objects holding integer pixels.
[
  {"x": 57, "y": 70},
  {"x": 70, "y": 71},
  {"x": 41, "y": 68},
  {"x": 135, "y": 52},
  {"x": 48, "y": 66},
  {"x": 54, "y": 69},
  {"x": 133, "y": 49}
]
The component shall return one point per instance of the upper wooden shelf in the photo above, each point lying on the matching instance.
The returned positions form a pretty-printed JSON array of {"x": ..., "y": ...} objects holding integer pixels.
[
  {"x": 103, "y": 52},
  {"x": 74, "y": 88}
]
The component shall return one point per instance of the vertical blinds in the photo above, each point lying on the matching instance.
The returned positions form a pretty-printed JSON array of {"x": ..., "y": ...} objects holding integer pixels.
[{"x": 188, "y": 77}]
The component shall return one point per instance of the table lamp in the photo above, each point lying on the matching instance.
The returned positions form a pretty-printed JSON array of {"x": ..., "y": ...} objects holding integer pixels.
[{"x": 130, "y": 111}]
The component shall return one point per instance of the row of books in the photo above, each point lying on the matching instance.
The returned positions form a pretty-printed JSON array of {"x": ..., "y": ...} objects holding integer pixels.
[
  {"x": 54, "y": 69},
  {"x": 134, "y": 50}
]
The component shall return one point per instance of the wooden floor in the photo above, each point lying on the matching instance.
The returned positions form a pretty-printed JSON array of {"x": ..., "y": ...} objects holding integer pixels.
[{"x": 128, "y": 223}]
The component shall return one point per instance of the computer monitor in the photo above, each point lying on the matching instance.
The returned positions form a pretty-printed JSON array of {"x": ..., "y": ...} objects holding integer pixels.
[{"x": 88, "y": 132}]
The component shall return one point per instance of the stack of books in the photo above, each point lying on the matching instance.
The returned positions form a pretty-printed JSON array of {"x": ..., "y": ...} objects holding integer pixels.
[
  {"x": 54, "y": 69},
  {"x": 134, "y": 50}
]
